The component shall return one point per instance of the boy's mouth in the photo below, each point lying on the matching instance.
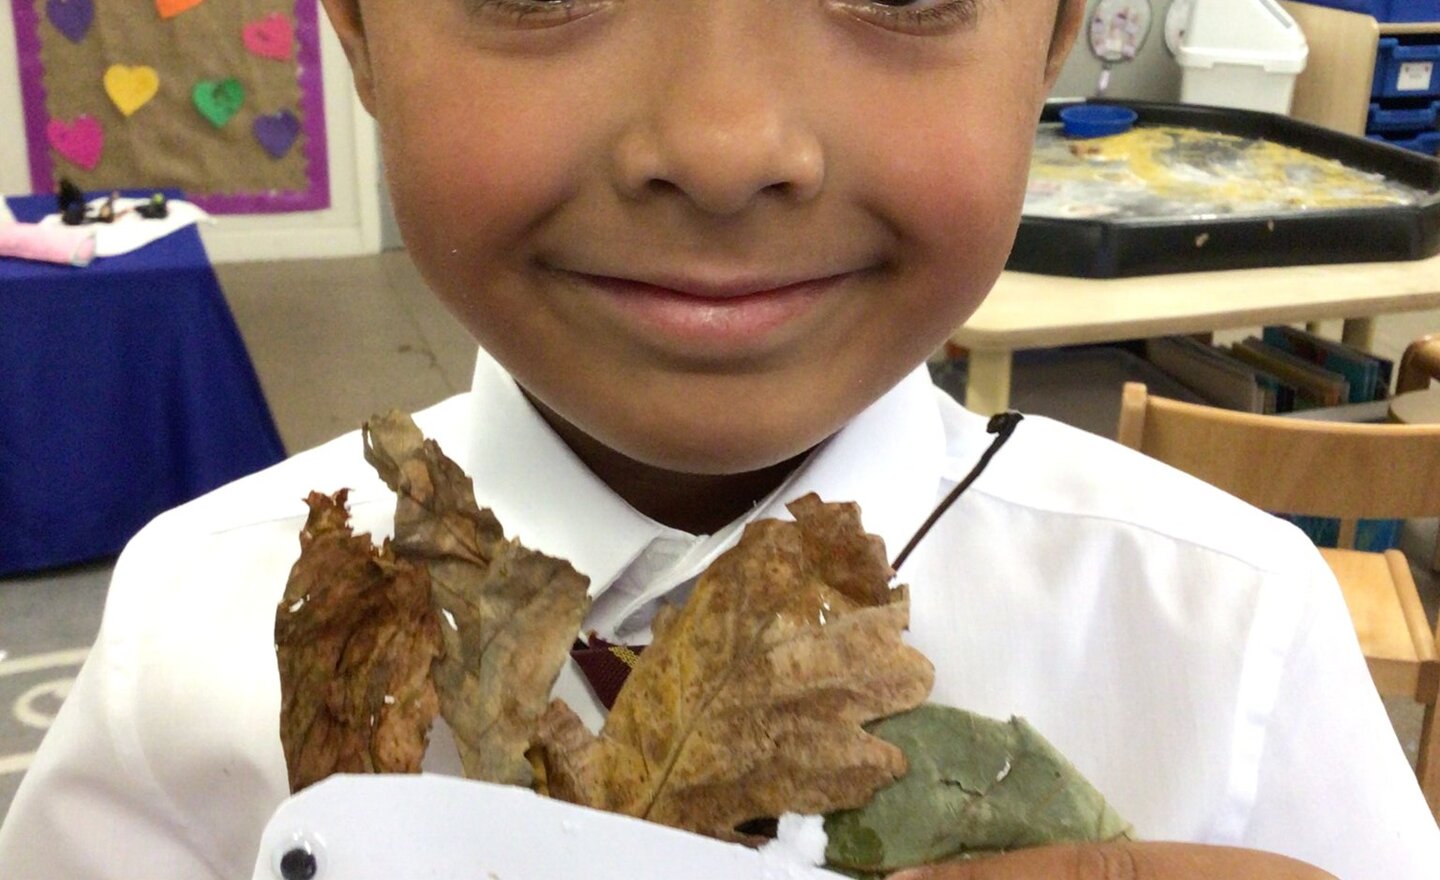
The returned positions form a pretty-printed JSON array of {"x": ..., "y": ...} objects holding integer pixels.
[{"x": 737, "y": 316}]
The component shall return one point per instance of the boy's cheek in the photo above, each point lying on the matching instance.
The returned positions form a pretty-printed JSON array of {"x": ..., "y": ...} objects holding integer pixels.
[
  {"x": 478, "y": 147},
  {"x": 956, "y": 197},
  {"x": 945, "y": 158},
  {"x": 460, "y": 182}
]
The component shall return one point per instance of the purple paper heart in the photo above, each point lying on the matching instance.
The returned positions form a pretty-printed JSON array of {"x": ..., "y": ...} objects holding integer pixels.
[
  {"x": 277, "y": 132},
  {"x": 71, "y": 17}
]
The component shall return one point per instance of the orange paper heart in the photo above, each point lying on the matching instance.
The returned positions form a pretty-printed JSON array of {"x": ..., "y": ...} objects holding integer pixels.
[{"x": 172, "y": 8}]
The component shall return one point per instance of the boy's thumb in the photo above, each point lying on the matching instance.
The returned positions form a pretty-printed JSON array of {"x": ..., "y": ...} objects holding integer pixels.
[{"x": 1123, "y": 861}]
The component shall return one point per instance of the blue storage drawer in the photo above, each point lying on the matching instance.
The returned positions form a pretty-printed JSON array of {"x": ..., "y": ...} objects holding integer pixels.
[
  {"x": 1404, "y": 119},
  {"x": 1427, "y": 142},
  {"x": 1406, "y": 70},
  {"x": 1388, "y": 10}
]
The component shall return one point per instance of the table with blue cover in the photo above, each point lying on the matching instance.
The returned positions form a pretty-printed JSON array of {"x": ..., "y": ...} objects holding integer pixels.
[{"x": 125, "y": 389}]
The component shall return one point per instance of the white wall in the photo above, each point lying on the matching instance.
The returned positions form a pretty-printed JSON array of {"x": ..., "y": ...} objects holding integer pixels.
[
  {"x": 350, "y": 226},
  {"x": 1152, "y": 76},
  {"x": 14, "y": 167}
]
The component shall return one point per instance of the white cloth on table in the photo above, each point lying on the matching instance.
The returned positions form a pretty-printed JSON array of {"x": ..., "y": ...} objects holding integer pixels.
[{"x": 129, "y": 231}]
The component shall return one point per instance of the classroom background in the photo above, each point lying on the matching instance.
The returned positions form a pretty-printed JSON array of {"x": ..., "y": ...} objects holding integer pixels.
[{"x": 297, "y": 313}]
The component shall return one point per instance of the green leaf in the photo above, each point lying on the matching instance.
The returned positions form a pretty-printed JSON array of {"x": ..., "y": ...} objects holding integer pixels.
[{"x": 976, "y": 786}]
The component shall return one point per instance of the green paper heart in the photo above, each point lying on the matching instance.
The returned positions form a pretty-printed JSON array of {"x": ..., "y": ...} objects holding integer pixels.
[{"x": 219, "y": 100}]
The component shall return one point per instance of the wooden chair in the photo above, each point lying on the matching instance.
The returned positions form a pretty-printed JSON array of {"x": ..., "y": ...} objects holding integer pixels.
[
  {"x": 1330, "y": 469},
  {"x": 1334, "y": 88},
  {"x": 1419, "y": 364}
]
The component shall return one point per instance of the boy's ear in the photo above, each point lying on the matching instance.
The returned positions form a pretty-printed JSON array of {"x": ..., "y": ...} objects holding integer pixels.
[
  {"x": 350, "y": 27},
  {"x": 1068, "y": 17}
]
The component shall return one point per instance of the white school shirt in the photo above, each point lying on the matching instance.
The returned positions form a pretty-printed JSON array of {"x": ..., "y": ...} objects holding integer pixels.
[{"x": 1191, "y": 655}]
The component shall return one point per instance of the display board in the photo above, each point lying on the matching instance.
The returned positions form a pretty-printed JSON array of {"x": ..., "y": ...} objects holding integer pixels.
[{"x": 219, "y": 98}]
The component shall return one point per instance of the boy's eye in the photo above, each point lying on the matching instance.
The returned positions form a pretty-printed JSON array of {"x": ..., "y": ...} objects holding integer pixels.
[
  {"x": 907, "y": 16},
  {"x": 536, "y": 13},
  {"x": 915, "y": 16}
]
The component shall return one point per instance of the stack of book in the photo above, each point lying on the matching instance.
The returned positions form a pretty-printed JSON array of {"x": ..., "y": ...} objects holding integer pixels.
[
  {"x": 1289, "y": 371},
  {"x": 1282, "y": 371}
]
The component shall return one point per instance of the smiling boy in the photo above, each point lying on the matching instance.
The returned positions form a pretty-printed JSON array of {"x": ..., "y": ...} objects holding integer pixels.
[
  {"x": 705, "y": 246},
  {"x": 667, "y": 218}
]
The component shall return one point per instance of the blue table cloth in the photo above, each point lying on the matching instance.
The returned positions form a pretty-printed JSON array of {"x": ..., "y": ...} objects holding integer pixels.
[{"x": 125, "y": 389}]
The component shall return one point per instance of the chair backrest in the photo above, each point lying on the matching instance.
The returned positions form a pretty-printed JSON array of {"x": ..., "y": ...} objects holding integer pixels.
[
  {"x": 1335, "y": 91},
  {"x": 1419, "y": 364},
  {"x": 1330, "y": 469}
]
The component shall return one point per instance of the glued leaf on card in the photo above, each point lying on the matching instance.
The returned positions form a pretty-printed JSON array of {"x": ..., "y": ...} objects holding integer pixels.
[
  {"x": 355, "y": 637},
  {"x": 510, "y": 613},
  {"x": 976, "y": 786},
  {"x": 751, "y": 700}
]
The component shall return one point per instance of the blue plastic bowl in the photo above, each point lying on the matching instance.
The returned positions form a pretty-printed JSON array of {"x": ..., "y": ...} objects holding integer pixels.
[{"x": 1097, "y": 120}]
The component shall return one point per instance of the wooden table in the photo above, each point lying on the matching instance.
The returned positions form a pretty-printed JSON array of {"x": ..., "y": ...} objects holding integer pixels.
[
  {"x": 1042, "y": 311},
  {"x": 125, "y": 389}
]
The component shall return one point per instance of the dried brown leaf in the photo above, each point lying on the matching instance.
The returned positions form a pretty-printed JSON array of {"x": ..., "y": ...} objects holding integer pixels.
[
  {"x": 511, "y": 613},
  {"x": 751, "y": 700},
  {"x": 355, "y": 637}
]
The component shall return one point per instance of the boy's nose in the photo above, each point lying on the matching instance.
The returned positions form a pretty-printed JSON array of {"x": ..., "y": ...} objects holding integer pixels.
[{"x": 722, "y": 132}]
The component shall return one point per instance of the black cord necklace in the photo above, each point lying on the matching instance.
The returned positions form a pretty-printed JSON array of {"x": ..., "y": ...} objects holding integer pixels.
[{"x": 1002, "y": 425}]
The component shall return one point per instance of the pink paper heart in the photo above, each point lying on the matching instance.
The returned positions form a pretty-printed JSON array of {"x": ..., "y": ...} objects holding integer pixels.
[
  {"x": 81, "y": 141},
  {"x": 270, "y": 37}
]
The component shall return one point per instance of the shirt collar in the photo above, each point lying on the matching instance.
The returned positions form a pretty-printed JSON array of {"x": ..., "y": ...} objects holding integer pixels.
[{"x": 888, "y": 459}]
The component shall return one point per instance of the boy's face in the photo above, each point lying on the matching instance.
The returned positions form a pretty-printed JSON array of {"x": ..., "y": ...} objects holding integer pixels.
[{"x": 706, "y": 233}]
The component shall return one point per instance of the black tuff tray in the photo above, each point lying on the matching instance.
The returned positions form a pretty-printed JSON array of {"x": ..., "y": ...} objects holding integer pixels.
[{"x": 1122, "y": 247}]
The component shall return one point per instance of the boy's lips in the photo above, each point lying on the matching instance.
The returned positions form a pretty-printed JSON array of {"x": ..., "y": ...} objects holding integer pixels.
[{"x": 744, "y": 315}]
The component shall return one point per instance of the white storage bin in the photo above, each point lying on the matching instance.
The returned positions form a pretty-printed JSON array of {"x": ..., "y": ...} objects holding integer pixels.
[{"x": 1241, "y": 53}]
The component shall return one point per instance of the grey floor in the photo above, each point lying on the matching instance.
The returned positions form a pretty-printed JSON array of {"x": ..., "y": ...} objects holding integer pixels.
[{"x": 334, "y": 342}]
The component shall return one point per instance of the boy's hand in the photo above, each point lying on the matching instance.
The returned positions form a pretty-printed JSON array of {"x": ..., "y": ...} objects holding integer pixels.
[{"x": 1123, "y": 861}]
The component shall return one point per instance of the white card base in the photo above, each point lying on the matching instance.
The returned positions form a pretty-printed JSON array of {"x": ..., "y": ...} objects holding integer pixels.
[{"x": 393, "y": 827}]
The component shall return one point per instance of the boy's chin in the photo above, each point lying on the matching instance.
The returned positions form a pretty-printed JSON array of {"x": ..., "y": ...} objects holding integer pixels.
[
  {"x": 719, "y": 451},
  {"x": 719, "y": 460},
  {"x": 701, "y": 444},
  {"x": 713, "y": 424}
]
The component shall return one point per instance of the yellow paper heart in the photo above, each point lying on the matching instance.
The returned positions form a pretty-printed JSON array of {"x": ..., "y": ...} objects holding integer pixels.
[{"x": 131, "y": 87}]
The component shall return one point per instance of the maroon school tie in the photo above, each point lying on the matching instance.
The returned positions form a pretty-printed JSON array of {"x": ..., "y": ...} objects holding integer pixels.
[{"x": 606, "y": 666}]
